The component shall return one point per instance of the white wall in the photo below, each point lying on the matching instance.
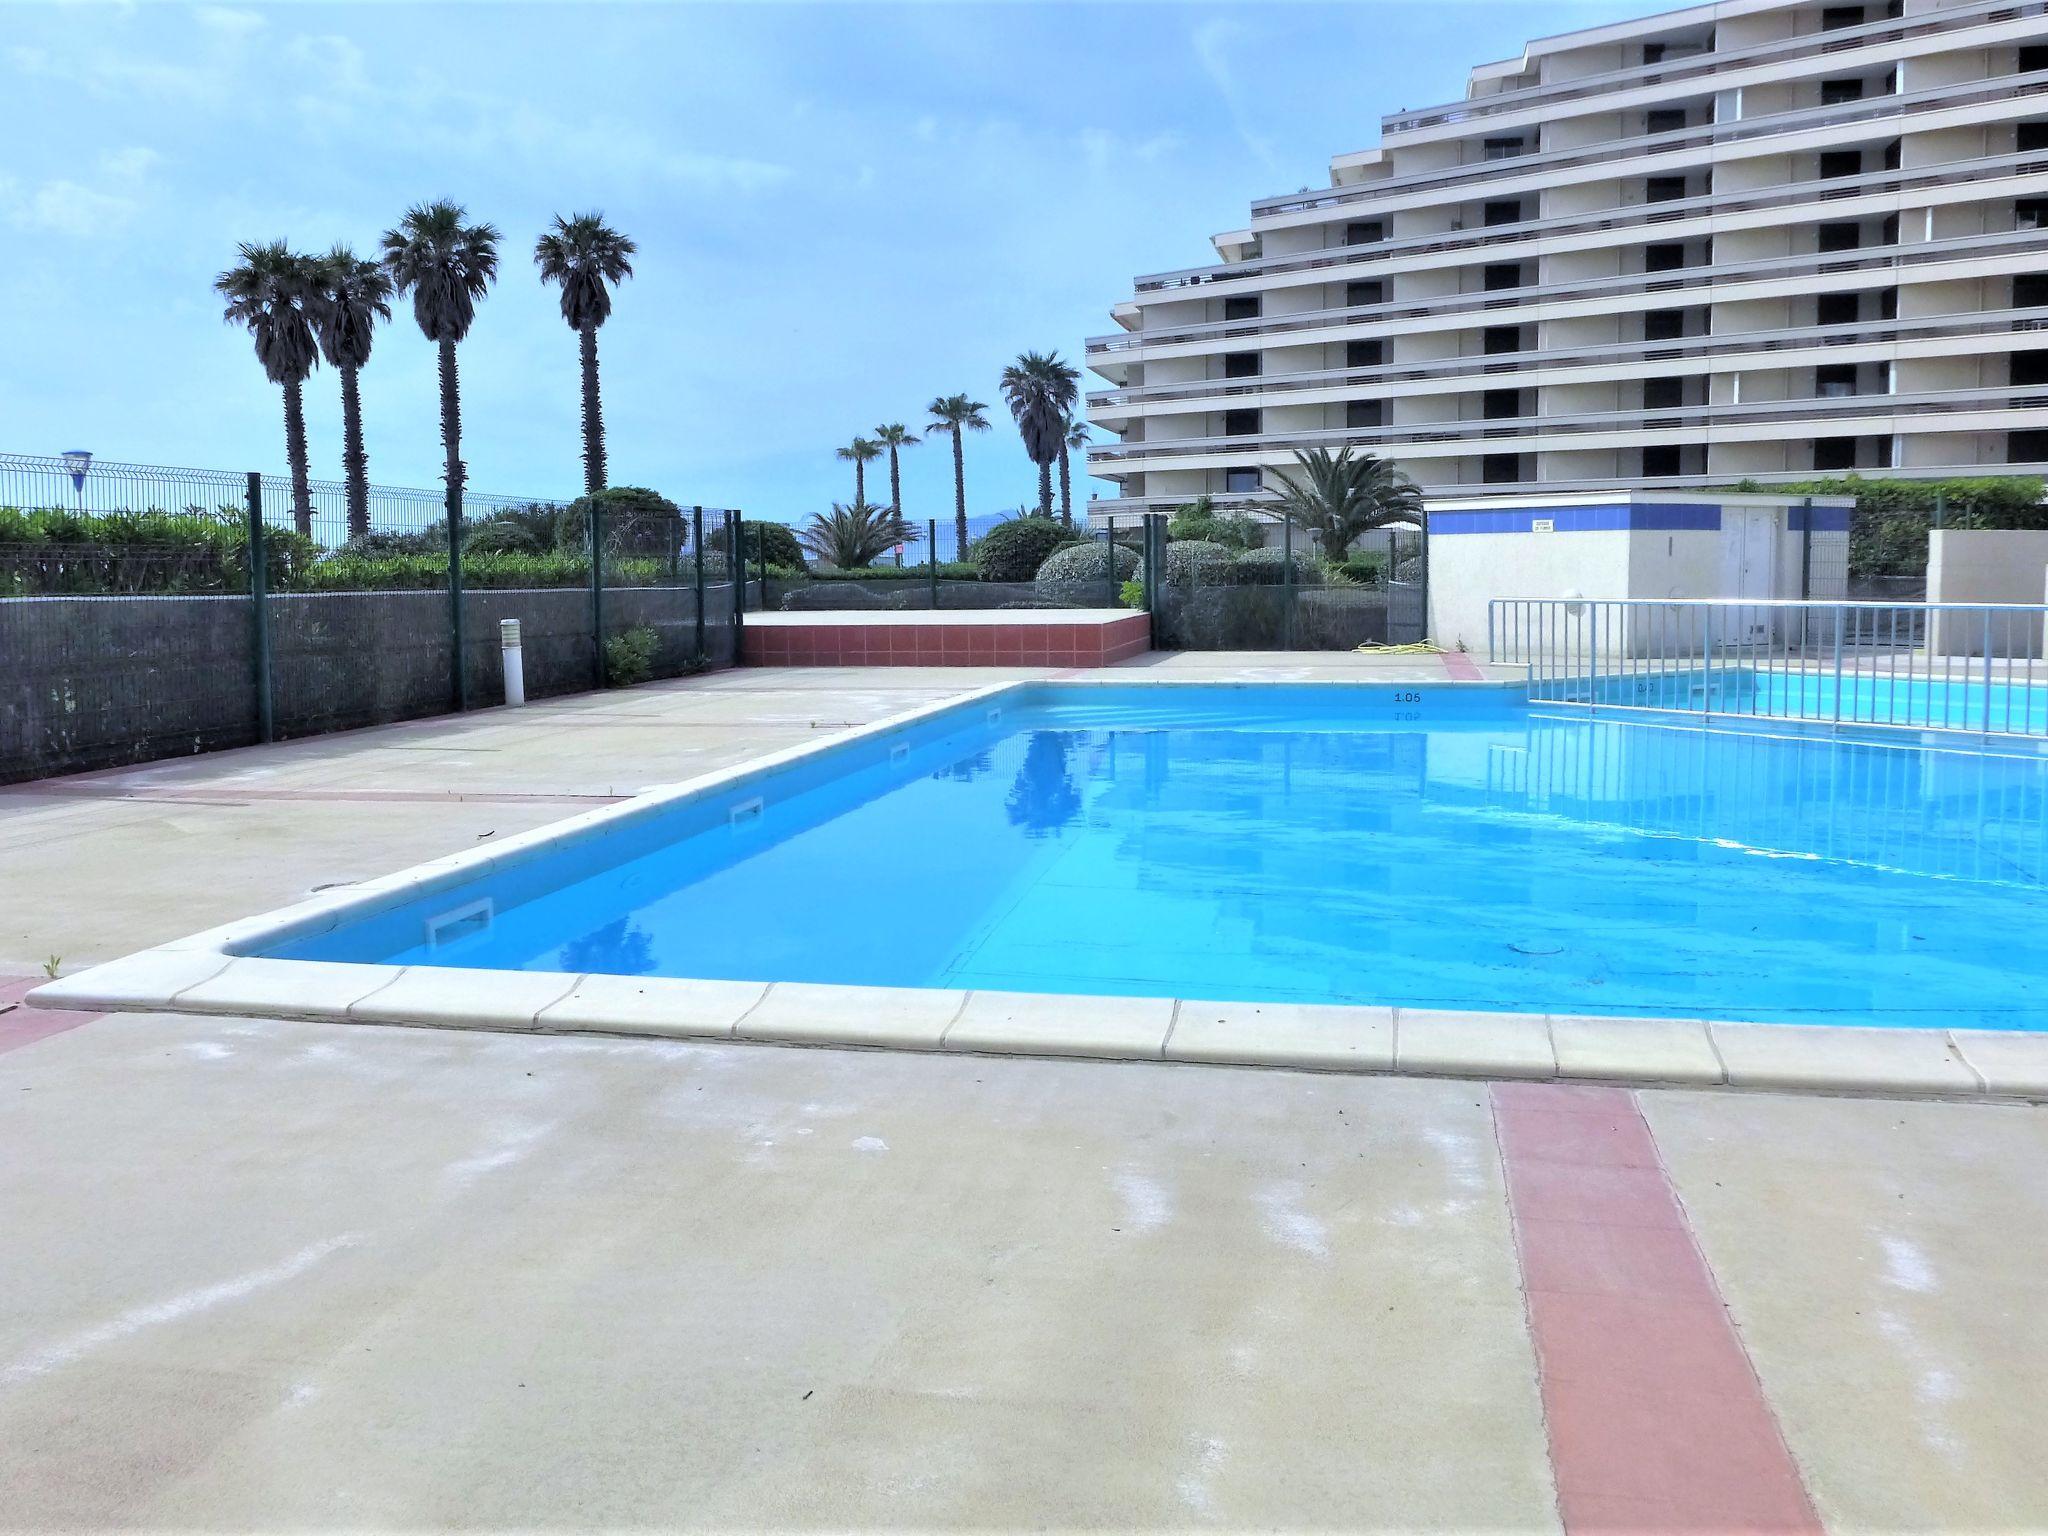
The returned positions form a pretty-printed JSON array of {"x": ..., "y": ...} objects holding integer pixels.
[
  {"x": 1986, "y": 565},
  {"x": 1466, "y": 570}
]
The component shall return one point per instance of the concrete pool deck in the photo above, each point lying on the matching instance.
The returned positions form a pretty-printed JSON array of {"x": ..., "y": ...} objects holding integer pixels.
[{"x": 267, "y": 1273}]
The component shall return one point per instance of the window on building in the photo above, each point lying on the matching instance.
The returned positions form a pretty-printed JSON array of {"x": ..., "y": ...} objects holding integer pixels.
[
  {"x": 2030, "y": 137},
  {"x": 2032, "y": 56},
  {"x": 1840, "y": 162},
  {"x": 2029, "y": 290},
  {"x": 1835, "y": 17},
  {"x": 1240, "y": 365},
  {"x": 1834, "y": 381},
  {"x": 1660, "y": 459},
  {"x": 1241, "y": 307},
  {"x": 1364, "y": 293},
  {"x": 1502, "y": 274},
  {"x": 1241, "y": 423},
  {"x": 1663, "y": 394},
  {"x": 1663, "y": 258},
  {"x": 1364, "y": 232},
  {"x": 1891, "y": 154},
  {"x": 1500, "y": 468},
  {"x": 1501, "y": 338},
  {"x": 2030, "y": 213},
  {"x": 1888, "y": 304},
  {"x": 1834, "y": 453},
  {"x": 1502, "y": 404},
  {"x": 1838, "y": 237},
  {"x": 1663, "y": 119},
  {"x": 1834, "y": 92},
  {"x": 1364, "y": 354},
  {"x": 1361, "y": 414},
  {"x": 1240, "y": 481},
  {"x": 1836, "y": 309},
  {"x": 2026, "y": 447},
  {"x": 2029, "y": 369},
  {"x": 1888, "y": 231},
  {"x": 1507, "y": 211},
  {"x": 1655, "y": 53},
  {"x": 1663, "y": 324},
  {"x": 1663, "y": 189}
]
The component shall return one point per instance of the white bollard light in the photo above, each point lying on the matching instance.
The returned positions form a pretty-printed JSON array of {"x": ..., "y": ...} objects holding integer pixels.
[{"x": 515, "y": 661}]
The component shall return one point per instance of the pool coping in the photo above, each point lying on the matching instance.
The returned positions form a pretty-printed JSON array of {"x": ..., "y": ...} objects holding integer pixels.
[{"x": 207, "y": 974}]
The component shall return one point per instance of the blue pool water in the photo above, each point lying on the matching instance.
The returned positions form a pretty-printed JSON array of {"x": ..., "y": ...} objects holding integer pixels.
[
  {"x": 1959, "y": 699},
  {"x": 1431, "y": 847}
]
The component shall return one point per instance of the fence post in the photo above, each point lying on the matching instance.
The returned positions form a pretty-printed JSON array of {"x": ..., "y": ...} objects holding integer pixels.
[
  {"x": 1422, "y": 568},
  {"x": 736, "y": 573},
  {"x": 457, "y": 664},
  {"x": 761, "y": 546},
  {"x": 1152, "y": 562},
  {"x": 697, "y": 542},
  {"x": 931, "y": 564},
  {"x": 596, "y": 530},
  {"x": 1805, "y": 569},
  {"x": 1287, "y": 584},
  {"x": 259, "y": 610}
]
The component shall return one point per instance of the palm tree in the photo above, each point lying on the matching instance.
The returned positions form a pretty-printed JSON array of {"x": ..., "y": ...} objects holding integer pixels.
[
  {"x": 586, "y": 256},
  {"x": 855, "y": 536},
  {"x": 895, "y": 437},
  {"x": 275, "y": 292},
  {"x": 1076, "y": 437},
  {"x": 862, "y": 452},
  {"x": 446, "y": 265},
  {"x": 1041, "y": 391},
  {"x": 354, "y": 295},
  {"x": 1337, "y": 496},
  {"x": 953, "y": 415}
]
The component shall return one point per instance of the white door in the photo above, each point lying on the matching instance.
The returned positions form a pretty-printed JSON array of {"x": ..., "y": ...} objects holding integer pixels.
[{"x": 1749, "y": 546}]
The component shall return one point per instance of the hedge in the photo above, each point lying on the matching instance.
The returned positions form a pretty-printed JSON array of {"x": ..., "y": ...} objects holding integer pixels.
[
  {"x": 1013, "y": 551},
  {"x": 1888, "y": 534}
]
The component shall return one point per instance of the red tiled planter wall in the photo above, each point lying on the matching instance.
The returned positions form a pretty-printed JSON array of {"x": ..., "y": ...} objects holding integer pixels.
[{"x": 882, "y": 644}]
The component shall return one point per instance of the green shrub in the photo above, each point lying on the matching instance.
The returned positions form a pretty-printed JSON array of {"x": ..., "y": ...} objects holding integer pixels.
[
  {"x": 54, "y": 550},
  {"x": 1014, "y": 550},
  {"x": 780, "y": 539},
  {"x": 1888, "y": 534},
  {"x": 1084, "y": 574},
  {"x": 1268, "y": 567},
  {"x": 1200, "y": 520},
  {"x": 949, "y": 570},
  {"x": 1366, "y": 565},
  {"x": 629, "y": 656},
  {"x": 635, "y": 521},
  {"x": 1196, "y": 562},
  {"x": 1132, "y": 594}
]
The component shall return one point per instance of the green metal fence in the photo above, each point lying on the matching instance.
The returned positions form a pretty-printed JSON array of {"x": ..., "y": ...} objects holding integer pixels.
[{"x": 148, "y": 612}]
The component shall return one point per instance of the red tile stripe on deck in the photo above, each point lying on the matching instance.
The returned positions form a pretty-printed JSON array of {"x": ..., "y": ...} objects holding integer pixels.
[
  {"x": 881, "y": 644},
  {"x": 1461, "y": 667},
  {"x": 22, "y": 1025},
  {"x": 1656, "y": 1419}
]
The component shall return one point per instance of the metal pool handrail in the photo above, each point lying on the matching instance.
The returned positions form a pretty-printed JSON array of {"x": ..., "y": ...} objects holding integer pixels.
[{"x": 1972, "y": 667}]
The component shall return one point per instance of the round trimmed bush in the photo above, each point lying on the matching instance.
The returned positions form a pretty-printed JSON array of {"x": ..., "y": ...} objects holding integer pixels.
[
  {"x": 636, "y": 521},
  {"x": 1268, "y": 567},
  {"x": 1196, "y": 562},
  {"x": 1080, "y": 574},
  {"x": 1014, "y": 551}
]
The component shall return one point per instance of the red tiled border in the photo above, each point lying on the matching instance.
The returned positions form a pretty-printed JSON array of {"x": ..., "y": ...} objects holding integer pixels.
[
  {"x": 1461, "y": 667},
  {"x": 882, "y": 644},
  {"x": 21, "y": 1025},
  {"x": 1656, "y": 1419}
]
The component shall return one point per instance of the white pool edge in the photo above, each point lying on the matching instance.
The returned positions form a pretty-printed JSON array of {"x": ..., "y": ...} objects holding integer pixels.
[{"x": 210, "y": 973}]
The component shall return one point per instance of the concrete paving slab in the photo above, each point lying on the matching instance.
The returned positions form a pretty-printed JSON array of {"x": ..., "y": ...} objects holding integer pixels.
[
  {"x": 1493, "y": 1045},
  {"x": 652, "y": 1005},
  {"x": 1635, "y": 1050},
  {"x": 286, "y": 989},
  {"x": 1835, "y": 1059},
  {"x": 2008, "y": 1061},
  {"x": 1881, "y": 1261},
  {"x": 543, "y": 1281},
  {"x": 796, "y": 1012},
  {"x": 456, "y": 997}
]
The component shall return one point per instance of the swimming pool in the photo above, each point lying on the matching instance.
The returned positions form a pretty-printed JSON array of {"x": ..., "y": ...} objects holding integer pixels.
[
  {"x": 1961, "y": 698},
  {"x": 1431, "y": 847}
]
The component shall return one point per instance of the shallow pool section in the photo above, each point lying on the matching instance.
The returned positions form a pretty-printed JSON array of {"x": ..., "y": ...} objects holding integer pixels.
[{"x": 1444, "y": 847}]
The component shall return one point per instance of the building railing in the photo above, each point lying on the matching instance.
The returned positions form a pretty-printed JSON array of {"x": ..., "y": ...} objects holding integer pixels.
[
  {"x": 1664, "y": 289},
  {"x": 1641, "y": 219},
  {"x": 1699, "y": 66},
  {"x": 1969, "y": 667},
  {"x": 1842, "y": 341},
  {"x": 1485, "y": 176}
]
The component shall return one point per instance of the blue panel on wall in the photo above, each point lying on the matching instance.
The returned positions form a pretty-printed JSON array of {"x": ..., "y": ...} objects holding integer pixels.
[{"x": 1613, "y": 517}]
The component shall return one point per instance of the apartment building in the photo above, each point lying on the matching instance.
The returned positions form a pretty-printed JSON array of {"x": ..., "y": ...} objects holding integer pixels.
[{"x": 1744, "y": 239}]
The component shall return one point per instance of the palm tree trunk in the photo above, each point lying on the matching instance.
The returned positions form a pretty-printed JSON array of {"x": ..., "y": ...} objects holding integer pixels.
[
  {"x": 593, "y": 415},
  {"x": 355, "y": 462},
  {"x": 860, "y": 482},
  {"x": 896, "y": 495},
  {"x": 451, "y": 417},
  {"x": 1066, "y": 488},
  {"x": 1045, "y": 489},
  {"x": 295, "y": 455},
  {"x": 959, "y": 499}
]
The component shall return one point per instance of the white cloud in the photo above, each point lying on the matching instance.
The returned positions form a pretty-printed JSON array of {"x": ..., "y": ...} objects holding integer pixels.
[
  {"x": 229, "y": 21},
  {"x": 69, "y": 208},
  {"x": 1214, "y": 42},
  {"x": 131, "y": 164}
]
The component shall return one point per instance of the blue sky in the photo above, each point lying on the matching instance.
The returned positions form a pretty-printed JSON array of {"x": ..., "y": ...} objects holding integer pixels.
[{"x": 842, "y": 210}]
